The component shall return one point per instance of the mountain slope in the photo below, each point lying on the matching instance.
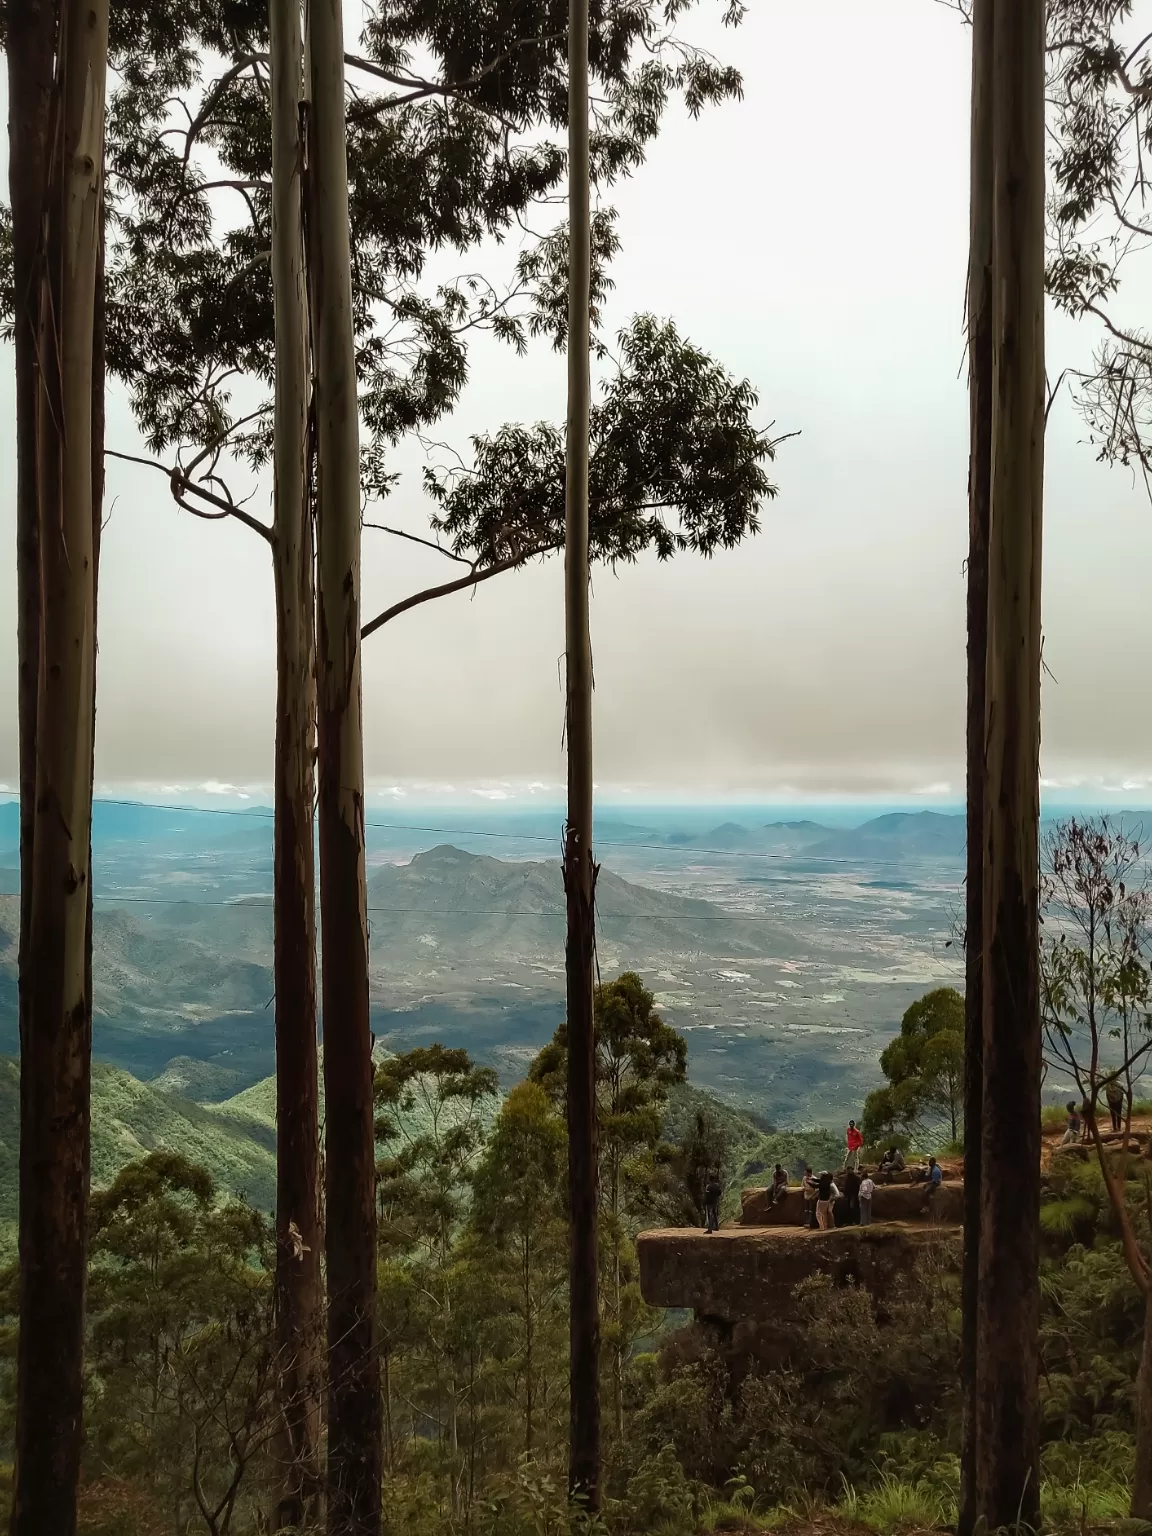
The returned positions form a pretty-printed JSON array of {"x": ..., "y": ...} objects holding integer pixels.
[
  {"x": 900, "y": 834},
  {"x": 130, "y": 1119}
]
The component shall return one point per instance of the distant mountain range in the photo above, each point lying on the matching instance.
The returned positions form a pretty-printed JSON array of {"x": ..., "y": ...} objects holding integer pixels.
[
  {"x": 895, "y": 836},
  {"x": 120, "y": 825}
]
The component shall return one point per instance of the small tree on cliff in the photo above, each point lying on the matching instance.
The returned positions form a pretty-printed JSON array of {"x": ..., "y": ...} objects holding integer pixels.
[{"x": 924, "y": 1066}]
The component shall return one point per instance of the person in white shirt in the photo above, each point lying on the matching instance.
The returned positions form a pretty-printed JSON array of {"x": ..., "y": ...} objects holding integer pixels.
[
  {"x": 808, "y": 1183},
  {"x": 867, "y": 1190}
]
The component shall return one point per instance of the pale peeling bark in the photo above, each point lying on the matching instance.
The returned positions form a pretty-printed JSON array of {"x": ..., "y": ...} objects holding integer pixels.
[
  {"x": 299, "y": 1230},
  {"x": 979, "y": 477},
  {"x": 579, "y": 868},
  {"x": 354, "y": 1409},
  {"x": 1007, "y": 1414},
  {"x": 56, "y": 1041}
]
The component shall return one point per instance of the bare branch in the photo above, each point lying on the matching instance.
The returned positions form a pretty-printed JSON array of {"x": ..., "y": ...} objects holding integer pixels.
[
  {"x": 181, "y": 487},
  {"x": 473, "y": 579}
]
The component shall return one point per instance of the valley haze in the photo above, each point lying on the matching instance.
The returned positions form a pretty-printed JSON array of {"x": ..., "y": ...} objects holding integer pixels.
[
  {"x": 784, "y": 946},
  {"x": 785, "y": 943}
]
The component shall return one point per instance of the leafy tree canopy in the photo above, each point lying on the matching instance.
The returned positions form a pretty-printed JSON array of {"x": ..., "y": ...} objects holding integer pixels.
[{"x": 455, "y": 120}]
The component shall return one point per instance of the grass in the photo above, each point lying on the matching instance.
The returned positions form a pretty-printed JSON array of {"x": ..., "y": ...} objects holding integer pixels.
[
  {"x": 897, "y": 1504},
  {"x": 722, "y": 1515},
  {"x": 1070, "y": 1506}
]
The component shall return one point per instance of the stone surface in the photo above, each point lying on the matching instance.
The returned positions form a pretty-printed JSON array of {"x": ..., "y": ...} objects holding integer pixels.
[
  {"x": 891, "y": 1202},
  {"x": 742, "y": 1274}
]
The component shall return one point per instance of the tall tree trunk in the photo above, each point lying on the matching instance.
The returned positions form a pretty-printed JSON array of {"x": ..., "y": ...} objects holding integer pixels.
[
  {"x": 1142, "y": 1472},
  {"x": 979, "y": 478},
  {"x": 354, "y": 1412},
  {"x": 31, "y": 44},
  {"x": 57, "y": 1021},
  {"x": 579, "y": 868},
  {"x": 1007, "y": 1420},
  {"x": 299, "y": 1232}
]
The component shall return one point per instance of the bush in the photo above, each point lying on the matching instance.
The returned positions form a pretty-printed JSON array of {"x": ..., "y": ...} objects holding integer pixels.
[{"x": 658, "y": 1498}]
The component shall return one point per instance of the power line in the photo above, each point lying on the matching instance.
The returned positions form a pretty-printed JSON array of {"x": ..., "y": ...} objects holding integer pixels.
[
  {"x": 531, "y": 837},
  {"x": 267, "y": 906}
]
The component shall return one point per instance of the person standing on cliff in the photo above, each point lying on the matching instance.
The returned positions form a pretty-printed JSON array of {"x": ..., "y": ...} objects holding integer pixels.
[
  {"x": 826, "y": 1193},
  {"x": 712, "y": 1192},
  {"x": 808, "y": 1184},
  {"x": 847, "y": 1212},
  {"x": 855, "y": 1139},
  {"x": 1117, "y": 1101}
]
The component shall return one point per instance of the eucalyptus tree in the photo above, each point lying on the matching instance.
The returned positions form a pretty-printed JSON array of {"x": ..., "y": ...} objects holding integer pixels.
[
  {"x": 57, "y": 58},
  {"x": 299, "y": 1229},
  {"x": 637, "y": 1059},
  {"x": 979, "y": 314},
  {"x": 355, "y": 1447},
  {"x": 437, "y": 160},
  {"x": 1007, "y": 1418},
  {"x": 579, "y": 866}
]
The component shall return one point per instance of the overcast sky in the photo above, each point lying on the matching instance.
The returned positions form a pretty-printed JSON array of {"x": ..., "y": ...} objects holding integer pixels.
[{"x": 814, "y": 238}]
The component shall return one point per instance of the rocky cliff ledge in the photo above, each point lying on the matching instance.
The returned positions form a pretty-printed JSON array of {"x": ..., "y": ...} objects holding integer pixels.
[
  {"x": 891, "y": 1202},
  {"x": 742, "y": 1274}
]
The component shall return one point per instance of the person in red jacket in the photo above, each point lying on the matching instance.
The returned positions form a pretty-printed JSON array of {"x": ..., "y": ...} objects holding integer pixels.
[{"x": 855, "y": 1139}]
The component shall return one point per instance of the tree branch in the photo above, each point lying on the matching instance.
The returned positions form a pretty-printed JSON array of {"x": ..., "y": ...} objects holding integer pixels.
[
  {"x": 415, "y": 538},
  {"x": 473, "y": 579},
  {"x": 181, "y": 486}
]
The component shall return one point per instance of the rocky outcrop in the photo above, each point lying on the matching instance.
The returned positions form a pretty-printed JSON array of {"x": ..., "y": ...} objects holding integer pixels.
[
  {"x": 891, "y": 1202},
  {"x": 742, "y": 1274}
]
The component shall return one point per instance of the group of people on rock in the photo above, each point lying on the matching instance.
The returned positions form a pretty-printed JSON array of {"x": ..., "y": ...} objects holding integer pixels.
[
  {"x": 1117, "y": 1098},
  {"x": 825, "y": 1204}
]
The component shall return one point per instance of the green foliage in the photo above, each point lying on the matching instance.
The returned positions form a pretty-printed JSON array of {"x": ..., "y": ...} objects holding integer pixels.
[
  {"x": 894, "y": 1503},
  {"x": 1083, "y": 1484},
  {"x": 518, "y": 1217},
  {"x": 638, "y": 1059},
  {"x": 181, "y": 1357},
  {"x": 131, "y": 1119},
  {"x": 432, "y": 1107},
  {"x": 924, "y": 1066},
  {"x": 454, "y": 121},
  {"x": 677, "y": 465}
]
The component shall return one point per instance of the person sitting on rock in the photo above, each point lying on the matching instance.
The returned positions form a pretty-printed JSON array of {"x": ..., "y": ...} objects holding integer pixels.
[
  {"x": 779, "y": 1186},
  {"x": 809, "y": 1185},
  {"x": 892, "y": 1162},
  {"x": 712, "y": 1192},
  {"x": 826, "y": 1193},
  {"x": 933, "y": 1178},
  {"x": 1071, "y": 1135}
]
